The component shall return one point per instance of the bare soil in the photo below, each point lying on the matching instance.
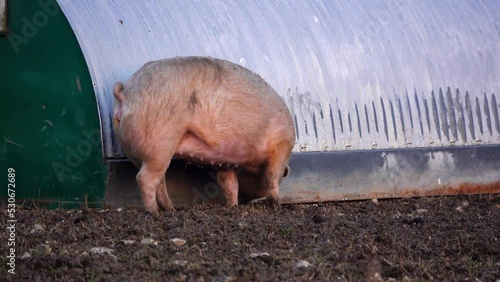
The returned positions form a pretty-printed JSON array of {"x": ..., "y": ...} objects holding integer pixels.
[{"x": 447, "y": 238}]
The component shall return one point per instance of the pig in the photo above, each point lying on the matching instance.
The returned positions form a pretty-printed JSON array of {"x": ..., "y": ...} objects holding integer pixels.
[{"x": 207, "y": 111}]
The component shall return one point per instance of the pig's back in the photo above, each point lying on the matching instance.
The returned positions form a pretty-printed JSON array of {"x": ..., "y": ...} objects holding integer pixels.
[
  {"x": 181, "y": 75},
  {"x": 224, "y": 112},
  {"x": 208, "y": 93}
]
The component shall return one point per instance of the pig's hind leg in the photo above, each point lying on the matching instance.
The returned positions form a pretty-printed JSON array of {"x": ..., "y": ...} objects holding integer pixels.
[
  {"x": 162, "y": 195},
  {"x": 274, "y": 172},
  {"x": 228, "y": 182},
  {"x": 151, "y": 176}
]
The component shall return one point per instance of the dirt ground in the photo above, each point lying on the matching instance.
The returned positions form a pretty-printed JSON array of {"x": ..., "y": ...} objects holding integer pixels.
[{"x": 447, "y": 238}]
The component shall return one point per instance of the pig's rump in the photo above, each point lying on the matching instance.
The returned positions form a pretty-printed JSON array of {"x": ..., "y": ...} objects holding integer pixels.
[{"x": 220, "y": 113}]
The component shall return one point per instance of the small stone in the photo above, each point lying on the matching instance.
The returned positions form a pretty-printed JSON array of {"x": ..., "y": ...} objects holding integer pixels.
[
  {"x": 119, "y": 209},
  {"x": 38, "y": 226},
  {"x": 101, "y": 250},
  {"x": 224, "y": 279},
  {"x": 421, "y": 210},
  {"x": 178, "y": 242},
  {"x": 375, "y": 200},
  {"x": 463, "y": 205},
  {"x": 147, "y": 241},
  {"x": 376, "y": 277},
  {"x": 180, "y": 262},
  {"x": 303, "y": 264},
  {"x": 128, "y": 242},
  {"x": 26, "y": 255},
  {"x": 48, "y": 249},
  {"x": 256, "y": 255},
  {"x": 265, "y": 257}
]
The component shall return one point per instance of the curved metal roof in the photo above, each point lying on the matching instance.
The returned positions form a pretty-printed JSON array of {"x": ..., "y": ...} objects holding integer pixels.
[{"x": 355, "y": 74}]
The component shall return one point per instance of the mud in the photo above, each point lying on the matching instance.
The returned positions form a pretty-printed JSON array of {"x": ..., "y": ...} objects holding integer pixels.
[{"x": 445, "y": 238}]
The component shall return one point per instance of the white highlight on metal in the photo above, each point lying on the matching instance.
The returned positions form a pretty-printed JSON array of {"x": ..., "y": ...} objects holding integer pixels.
[
  {"x": 437, "y": 163},
  {"x": 242, "y": 62}
]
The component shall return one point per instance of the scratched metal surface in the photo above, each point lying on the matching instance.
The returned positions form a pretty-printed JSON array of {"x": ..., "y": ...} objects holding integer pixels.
[{"x": 357, "y": 75}]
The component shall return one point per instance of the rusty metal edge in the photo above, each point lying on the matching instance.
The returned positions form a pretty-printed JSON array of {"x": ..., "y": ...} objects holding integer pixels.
[{"x": 461, "y": 189}]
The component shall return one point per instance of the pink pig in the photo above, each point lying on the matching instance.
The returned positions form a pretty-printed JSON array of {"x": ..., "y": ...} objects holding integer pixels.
[{"x": 207, "y": 111}]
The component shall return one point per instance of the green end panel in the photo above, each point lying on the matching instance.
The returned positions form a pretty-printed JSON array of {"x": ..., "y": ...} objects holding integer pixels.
[{"x": 49, "y": 125}]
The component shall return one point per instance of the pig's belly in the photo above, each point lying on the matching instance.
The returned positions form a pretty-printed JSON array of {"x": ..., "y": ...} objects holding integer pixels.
[{"x": 230, "y": 151}]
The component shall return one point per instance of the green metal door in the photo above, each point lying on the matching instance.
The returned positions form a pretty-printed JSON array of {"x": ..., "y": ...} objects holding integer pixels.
[{"x": 49, "y": 125}]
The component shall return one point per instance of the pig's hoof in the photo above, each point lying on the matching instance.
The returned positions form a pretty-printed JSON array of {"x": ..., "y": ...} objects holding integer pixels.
[
  {"x": 169, "y": 213},
  {"x": 230, "y": 205},
  {"x": 273, "y": 203},
  {"x": 167, "y": 208},
  {"x": 154, "y": 213}
]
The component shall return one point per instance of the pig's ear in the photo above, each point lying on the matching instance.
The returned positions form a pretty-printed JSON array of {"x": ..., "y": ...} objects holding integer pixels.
[
  {"x": 287, "y": 170},
  {"x": 118, "y": 91}
]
